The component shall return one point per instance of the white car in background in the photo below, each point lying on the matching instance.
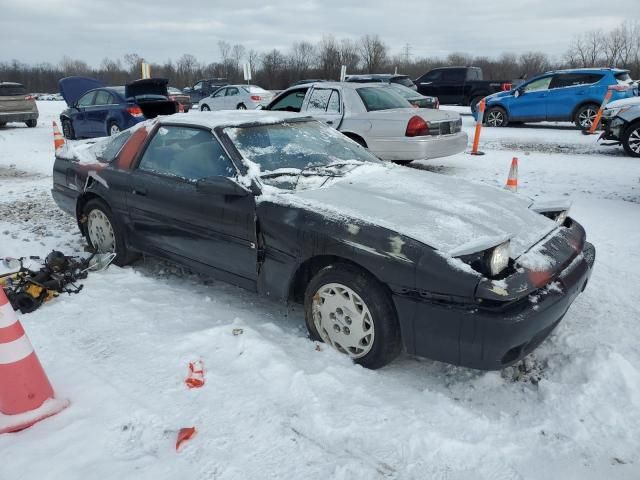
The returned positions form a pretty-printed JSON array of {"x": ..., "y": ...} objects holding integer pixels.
[
  {"x": 378, "y": 118},
  {"x": 236, "y": 97}
]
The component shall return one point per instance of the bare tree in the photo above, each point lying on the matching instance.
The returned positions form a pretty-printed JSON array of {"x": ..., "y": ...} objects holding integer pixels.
[
  {"x": 302, "y": 58},
  {"x": 533, "y": 63},
  {"x": 373, "y": 53},
  {"x": 329, "y": 58},
  {"x": 349, "y": 54}
]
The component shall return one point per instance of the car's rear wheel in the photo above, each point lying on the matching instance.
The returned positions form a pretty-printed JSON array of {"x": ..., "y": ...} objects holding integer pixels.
[
  {"x": 31, "y": 123},
  {"x": 205, "y": 108},
  {"x": 585, "y": 116},
  {"x": 67, "y": 130},
  {"x": 2, "y": 124},
  {"x": 631, "y": 139},
  {"x": 350, "y": 310},
  {"x": 402, "y": 162},
  {"x": 241, "y": 106},
  {"x": 496, "y": 117},
  {"x": 103, "y": 233},
  {"x": 113, "y": 129}
]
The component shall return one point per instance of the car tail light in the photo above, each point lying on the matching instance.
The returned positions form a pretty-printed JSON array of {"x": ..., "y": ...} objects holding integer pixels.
[
  {"x": 620, "y": 88},
  {"x": 417, "y": 127},
  {"x": 29, "y": 97},
  {"x": 257, "y": 98},
  {"x": 135, "y": 111},
  {"x": 506, "y": 86}
]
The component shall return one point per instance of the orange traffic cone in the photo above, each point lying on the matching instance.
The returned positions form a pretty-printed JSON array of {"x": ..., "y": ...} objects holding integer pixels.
[
  {"x": 26, "y": 396},
  {"x": 512, "y": 181},
  {"x": 58, "y": 138}
]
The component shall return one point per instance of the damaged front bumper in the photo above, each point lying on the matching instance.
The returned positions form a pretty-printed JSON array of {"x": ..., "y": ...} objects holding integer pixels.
[{"x": 493, "y": 333}]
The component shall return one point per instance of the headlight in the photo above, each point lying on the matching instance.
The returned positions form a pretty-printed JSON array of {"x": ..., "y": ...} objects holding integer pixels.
[
  {"x": 614, "y": 112},
  {"x": 498, "y": 258}
]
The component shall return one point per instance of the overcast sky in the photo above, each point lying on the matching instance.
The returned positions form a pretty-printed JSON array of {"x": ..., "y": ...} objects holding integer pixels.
[{"x": 46, "y": 30}]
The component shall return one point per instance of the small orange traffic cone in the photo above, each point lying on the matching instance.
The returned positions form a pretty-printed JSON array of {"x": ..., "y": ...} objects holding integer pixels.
[
  {"x": 58, "y": 138},
  {"x": 26, "y": 396},
  {"x": 512, "y": 181}
]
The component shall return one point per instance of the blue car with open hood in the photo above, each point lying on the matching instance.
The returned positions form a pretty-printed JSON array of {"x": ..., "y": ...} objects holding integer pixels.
[
  {"x": 561, "y": 96},
  {"x": 96, "y": 110}
]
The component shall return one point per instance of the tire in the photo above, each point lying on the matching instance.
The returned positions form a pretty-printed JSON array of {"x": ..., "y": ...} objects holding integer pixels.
[
  {"x": 106, "y": 230},
  {"x": 631, "y": 139},
  {"x": 205, "y": 108},
  {"x": 357, "y": 139},
  {"x": 355, "y": 289},
  {"x": 241, "y": 106},
  {"x": 496, "y": 117},
  {"x": 3, "y": 124},
  {"x": 402, "y": 162},
  {"x": 67, "y": 130},
  {"x": 186, "y": 110},
  {"x": 113, "y": 129},
  {"x": 585, "y": 115},
  {"x": 31, "y": 123}
]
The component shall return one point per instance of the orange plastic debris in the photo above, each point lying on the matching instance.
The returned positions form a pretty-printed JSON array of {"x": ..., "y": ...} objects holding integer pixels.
[
  {"x": 195, "y": 378},
  {"x": 185, "y": 434}
]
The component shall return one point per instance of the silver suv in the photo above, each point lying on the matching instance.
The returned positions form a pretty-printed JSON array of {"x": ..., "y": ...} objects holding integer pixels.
[{"x": 16, "y": 105}]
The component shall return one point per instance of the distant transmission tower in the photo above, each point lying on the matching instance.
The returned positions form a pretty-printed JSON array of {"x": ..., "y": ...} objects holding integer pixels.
[{"x": 407, "y": 53}]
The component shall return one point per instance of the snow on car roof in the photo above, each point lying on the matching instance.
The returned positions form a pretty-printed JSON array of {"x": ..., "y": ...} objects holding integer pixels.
[{"x": 229, "y": 118}]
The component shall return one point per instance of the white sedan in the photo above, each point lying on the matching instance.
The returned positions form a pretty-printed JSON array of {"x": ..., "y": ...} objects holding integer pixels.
[
  {"x": 236, "y": 97},
  {"x": 378, "y": 118}
]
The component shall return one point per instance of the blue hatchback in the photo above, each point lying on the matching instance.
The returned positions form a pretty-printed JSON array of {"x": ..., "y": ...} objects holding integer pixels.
[
  {"x": 561, "y": 96},
  {"x": 96, "y": 110}
]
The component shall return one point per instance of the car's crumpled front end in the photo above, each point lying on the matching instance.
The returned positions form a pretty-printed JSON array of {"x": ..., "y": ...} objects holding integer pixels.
[{"x": 508, "y": 315}]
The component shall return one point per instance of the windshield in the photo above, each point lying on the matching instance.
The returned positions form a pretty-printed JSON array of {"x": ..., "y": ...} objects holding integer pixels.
[
  {"x": 406, "y": 92},
  {"x": 280, "y": 154},
  {"x": 11, "y": 90},
  {"x": 381, "y": 98}
]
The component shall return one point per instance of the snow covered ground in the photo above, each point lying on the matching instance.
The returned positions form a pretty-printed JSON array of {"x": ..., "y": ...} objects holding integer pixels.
[{"x": 275, "y": 405}]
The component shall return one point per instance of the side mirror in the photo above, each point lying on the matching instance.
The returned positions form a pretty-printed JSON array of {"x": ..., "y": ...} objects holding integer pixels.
[
  {"x": 220, "y": 186},
  {"x": 517, "y": 93}
]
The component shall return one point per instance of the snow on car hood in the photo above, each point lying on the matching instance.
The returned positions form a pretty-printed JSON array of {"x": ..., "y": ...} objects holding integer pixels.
[
  {"x": 452, "y": 215},
  {"x": 624, "y": 102}
]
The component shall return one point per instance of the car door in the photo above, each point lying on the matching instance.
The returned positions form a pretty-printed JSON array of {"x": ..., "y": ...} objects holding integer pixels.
[
  {"x": 290, "y": 101},
  {"x": 172, "y": 217},
  {"x": 196, "y": 93},
  {"x": 530, "y": 103},
  {"x": 427, "y": 84},
  {"x": 566, "y": 91},
  {"x": 81, "y": 124},
  {"x": 97, "y": 113},
  {"x": 232, "y": 98},
  {"x": 451, "y": 89},
  {"x": 216, "y": 101},
  {"x": 325, "y": 104}
]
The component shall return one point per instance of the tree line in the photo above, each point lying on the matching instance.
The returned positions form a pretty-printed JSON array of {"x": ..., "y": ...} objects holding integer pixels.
[{"x": 277, "y": 69}]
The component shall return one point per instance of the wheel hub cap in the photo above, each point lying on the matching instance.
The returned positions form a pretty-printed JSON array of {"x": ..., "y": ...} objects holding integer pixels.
[
  {"x": 495, "y": 119},
  {"x": 343, "y": 320},
  {"x": 634, "y": 140},
  {"x": 587, "y": 117},
  {"x": 101, "y": 232}
]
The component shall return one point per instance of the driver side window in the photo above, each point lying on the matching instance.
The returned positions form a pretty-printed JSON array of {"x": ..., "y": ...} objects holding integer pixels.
[
  {"x": 539, "y": 84},
  {"x": 197, "y": 86},
  {"x": 291, "y": 102},
  {"x": 220, "y": 93},
  {"x": 187, "y": 153}
]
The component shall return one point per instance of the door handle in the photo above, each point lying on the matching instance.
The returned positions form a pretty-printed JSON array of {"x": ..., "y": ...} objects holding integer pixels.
[
  {"x": 139, "y": 191},
  {"x": 329, "y": 122}
]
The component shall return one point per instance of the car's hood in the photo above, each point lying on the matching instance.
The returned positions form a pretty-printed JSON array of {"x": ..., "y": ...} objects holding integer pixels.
[
  {"x": 146, "y": 86},
  {"x": 72, "y": 88},
  {"x": 624, "y": 102},
  {"x": 453, "y": 216}
]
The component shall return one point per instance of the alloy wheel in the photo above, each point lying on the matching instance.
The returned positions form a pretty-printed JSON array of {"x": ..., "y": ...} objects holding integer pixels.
[
  {"x": 114, "y": 129},
  {"x": 586, "y": 117},
  {"x": 343, "y": 320},
  {"x": 101, "y": 232},
  {"x": 495, "y": 118},
  {"x": 634, "y": 141}
]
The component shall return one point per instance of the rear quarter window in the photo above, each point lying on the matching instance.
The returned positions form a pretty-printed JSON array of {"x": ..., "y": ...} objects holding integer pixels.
[
  {"x": 375, "y": 99},
  {"x": 12, "y": 90},
  {"x": 406, "y": 81},
  {"x": 623, "y": 78}
]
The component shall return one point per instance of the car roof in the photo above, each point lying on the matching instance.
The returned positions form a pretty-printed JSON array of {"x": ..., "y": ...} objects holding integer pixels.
[
  {"x": 350, "y": 85},
  {"x": 382, "y": 76},
  {"x": 588, "y": 70},
  {"x": 229, "y": 118}
]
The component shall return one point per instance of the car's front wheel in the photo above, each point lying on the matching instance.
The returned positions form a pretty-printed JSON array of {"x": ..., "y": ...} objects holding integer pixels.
[
  {"x": 631, "y": 139},
  {"x": 351, "y": 311},
  {"x": 496, "y": 117},
  {"x": 205, "y": 108},
  {"x": 103, "y": 233},
  {"x": 585, "y": 116},
  {"x": 242, "y": 106},
  {"x": 31, "y": 123}
]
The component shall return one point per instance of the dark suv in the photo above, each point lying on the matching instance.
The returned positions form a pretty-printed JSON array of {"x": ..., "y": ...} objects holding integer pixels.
[
  {"x": 383, "y": 78},
  {"x": 204, "y": 88},
  {"x": 16, "y": 105}
]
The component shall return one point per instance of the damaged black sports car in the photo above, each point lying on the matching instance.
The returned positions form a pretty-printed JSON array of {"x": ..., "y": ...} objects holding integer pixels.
[{"x": 383, "y": 257}]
